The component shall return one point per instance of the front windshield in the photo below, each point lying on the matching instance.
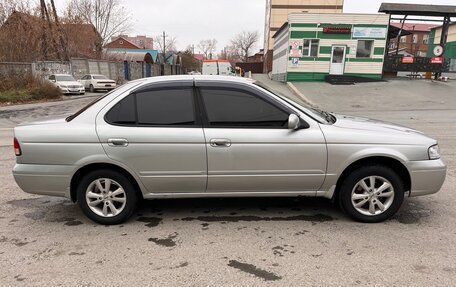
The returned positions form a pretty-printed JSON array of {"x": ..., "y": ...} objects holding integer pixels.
[
  {"x": 65, "y": 78},
  {"x": 314, "y": 113}
]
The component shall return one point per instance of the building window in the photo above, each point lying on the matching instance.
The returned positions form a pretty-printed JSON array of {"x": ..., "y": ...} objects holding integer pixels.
[
  {"x": 364, "y": 49},
  {"x": 310, "y": 47},
  {"x": 426, "y": 39},
  {"x": 403, "y": 39},
  {"x": 415, "y": 38}
]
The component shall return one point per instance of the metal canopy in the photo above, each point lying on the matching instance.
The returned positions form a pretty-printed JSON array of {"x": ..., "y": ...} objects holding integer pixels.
[{"x": 418, "y": 10}]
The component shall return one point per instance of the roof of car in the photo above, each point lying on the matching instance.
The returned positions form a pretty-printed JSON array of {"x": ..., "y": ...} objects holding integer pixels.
[{"x": 198, "y": 77}]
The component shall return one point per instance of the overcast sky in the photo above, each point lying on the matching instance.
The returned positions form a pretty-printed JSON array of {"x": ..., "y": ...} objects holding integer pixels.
[{"x": 193, "y": 20}]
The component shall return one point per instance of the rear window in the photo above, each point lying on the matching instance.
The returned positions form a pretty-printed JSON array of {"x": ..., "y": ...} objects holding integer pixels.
[
  {"x": 100, "y": 77},
  {"x": 168, "y": 107}
]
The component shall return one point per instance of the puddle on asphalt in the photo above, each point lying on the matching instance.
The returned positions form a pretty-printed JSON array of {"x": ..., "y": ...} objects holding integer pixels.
[
  {"x": 252, "y": 269},
  {"x": 151, "y": 221},
  {"x": 165, "y": 242}
]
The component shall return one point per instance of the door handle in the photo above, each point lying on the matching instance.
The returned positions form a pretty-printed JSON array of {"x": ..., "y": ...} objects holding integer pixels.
[
  {"x": 117, "y": 142},
  {"x": 220, "y": 142}
]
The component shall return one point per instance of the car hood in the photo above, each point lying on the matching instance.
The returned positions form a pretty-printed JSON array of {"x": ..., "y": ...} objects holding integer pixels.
[{"x": 361, "y": 123}]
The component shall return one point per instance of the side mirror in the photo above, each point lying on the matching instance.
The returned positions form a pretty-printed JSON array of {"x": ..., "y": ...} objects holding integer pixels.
[{"x": 293, "y": 122}]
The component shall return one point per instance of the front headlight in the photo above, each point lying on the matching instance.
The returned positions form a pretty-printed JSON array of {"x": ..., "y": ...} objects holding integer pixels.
[
  {"x": 434, "y": 152},
  {"x": 63, "y": 86}
]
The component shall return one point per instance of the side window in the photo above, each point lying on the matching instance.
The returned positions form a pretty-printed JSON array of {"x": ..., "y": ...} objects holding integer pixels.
[
  {"x": 166, "y": 107},
  {"x": 232, "y": 108},
  {"x": 51, "y": 77},
  {"x": 123, "y": 113}
]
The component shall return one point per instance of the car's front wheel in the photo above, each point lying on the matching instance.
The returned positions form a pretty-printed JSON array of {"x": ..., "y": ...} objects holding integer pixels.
[
  {"x": 106, "y": 197},
  {"x": 371, "y": 193},
  {"x": 91, "y": 88}
]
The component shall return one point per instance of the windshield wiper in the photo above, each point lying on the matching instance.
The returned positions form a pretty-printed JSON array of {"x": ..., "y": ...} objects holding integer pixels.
[{"x": 329, "y": 117}]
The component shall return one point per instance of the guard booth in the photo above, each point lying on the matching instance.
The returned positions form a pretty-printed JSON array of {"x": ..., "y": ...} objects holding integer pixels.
[{"x": 436, "y": 63}]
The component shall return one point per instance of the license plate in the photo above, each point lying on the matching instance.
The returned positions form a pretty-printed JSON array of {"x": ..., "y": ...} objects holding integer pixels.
[
  {"x": 74, "y": 90},
  {"x": 107, "y": 85}
]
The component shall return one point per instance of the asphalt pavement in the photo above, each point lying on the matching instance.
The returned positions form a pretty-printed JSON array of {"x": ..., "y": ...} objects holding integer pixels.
[{"x": 241, "y": 241}]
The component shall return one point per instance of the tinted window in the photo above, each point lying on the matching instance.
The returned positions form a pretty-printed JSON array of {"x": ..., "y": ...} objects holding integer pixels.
[
  {"x": 123, "y": 112},
  {"x": 236, "y": 108},
  {"x": 166, "y": 107}
]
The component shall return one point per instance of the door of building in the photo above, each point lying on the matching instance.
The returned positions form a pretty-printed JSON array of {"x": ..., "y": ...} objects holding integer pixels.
[{"x": 337, "y": 60}]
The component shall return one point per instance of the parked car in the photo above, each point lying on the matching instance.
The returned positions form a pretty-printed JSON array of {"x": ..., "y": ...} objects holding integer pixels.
[
  {"x": 67, "y": 84},
  {"x": 214, "y": 136},
  {"x": 95, "y": 83}
]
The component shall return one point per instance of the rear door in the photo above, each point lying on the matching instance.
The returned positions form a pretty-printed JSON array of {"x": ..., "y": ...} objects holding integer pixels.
[
  {"x": 156, "y": 132},
  {"x": 250, "y": 148}
]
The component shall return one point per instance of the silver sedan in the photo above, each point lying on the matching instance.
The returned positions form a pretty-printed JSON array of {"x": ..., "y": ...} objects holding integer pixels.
[{"x": 214, "y": 136}]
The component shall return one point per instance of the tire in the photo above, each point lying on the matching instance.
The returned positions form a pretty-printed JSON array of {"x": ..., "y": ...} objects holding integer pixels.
[
  {"x": 108, "y": 208},
  {"x": 387, "y": 194},
  {"x": 91, "y": 88}
]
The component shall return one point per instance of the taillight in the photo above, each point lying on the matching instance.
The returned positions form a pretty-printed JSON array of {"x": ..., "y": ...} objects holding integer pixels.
[{"x": 17, "y": 148}]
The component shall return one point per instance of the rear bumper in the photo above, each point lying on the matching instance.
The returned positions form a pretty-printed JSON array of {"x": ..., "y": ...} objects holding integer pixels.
[
  {"x": 44, "y": 179},
  {"x": 103, "y": 87},
  {"x": 427, "y": 176}
]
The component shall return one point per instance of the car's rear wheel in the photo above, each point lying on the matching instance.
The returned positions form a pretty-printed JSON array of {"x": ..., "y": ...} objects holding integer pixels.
[
  {"x": 371, "y": 193},
  {"x": 106, "y": 197},
  {"x": 91, "y": 88}
]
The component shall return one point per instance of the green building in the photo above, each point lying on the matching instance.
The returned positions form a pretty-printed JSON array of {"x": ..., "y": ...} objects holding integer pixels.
[{"x": 310, "y": 46}]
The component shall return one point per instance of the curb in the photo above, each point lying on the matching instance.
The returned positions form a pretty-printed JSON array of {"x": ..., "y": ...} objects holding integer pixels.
[{"x": 300, "y": 95}]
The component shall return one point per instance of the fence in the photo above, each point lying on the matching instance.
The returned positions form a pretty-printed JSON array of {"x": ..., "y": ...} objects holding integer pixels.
[{"x": 119, "y": 71}]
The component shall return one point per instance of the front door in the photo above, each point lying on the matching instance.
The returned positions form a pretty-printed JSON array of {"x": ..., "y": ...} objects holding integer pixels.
[
  {"x": 337, "y": 60},
  {"x": 250, "y": 148}
]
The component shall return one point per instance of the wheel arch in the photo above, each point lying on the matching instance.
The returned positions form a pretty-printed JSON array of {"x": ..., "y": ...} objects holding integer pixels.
[
  {"x": 390, "y": 162},
  {"x": 81, "y": 172}
]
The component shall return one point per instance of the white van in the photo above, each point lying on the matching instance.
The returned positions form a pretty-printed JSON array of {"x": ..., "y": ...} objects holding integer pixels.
[{"x": 217, "y": 67}]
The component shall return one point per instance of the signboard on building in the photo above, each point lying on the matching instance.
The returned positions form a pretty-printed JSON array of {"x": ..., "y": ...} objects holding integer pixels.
[
  {"x": 408, "y": 59},
  {"x": 369, "y": 32},
  {"x": 295, "y": 51},
  {"x": 437, "y": 60},
  {"x": 336, "y": 30},
  {"x": 294, "y": 61}
]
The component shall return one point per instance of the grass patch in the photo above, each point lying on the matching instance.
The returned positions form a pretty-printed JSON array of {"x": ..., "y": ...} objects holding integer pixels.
[{"x": 26, "y": 88}]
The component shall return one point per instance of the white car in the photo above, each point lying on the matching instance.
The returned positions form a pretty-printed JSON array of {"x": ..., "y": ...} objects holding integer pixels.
[
  {"x": 97, "y": 82},
  {"x": 67, "y": 84}
]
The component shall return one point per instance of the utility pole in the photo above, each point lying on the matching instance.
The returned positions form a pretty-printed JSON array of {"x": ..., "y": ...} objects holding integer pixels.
[{"x": 164, "y": 47}]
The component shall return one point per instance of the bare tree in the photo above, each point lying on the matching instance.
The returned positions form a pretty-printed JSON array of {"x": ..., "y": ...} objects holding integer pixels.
[
  {"x": 207, "y": 47},
  {"x": 244, "y": 42},
  {"x": 166, "y": 44},
  {"x": 109, "y": 17},
  {"x": 63, "y": 40},
  {"x": 9, "y": 6}
]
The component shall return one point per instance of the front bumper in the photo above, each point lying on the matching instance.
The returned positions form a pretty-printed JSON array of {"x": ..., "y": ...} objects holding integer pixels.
[
  {"x": 427, "y": 176},
  {"x": 44, "y": 179},
  {"x": 73, "y": 90}
]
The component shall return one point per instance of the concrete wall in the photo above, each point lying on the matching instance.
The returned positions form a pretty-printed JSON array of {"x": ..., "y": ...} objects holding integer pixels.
[
  {"x": 15, "y": 68},
  {"x": 80, "y": 67}
]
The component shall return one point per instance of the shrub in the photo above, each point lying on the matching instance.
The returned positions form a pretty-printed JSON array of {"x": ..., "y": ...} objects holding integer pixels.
[{"x": 16, "y": 88}]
